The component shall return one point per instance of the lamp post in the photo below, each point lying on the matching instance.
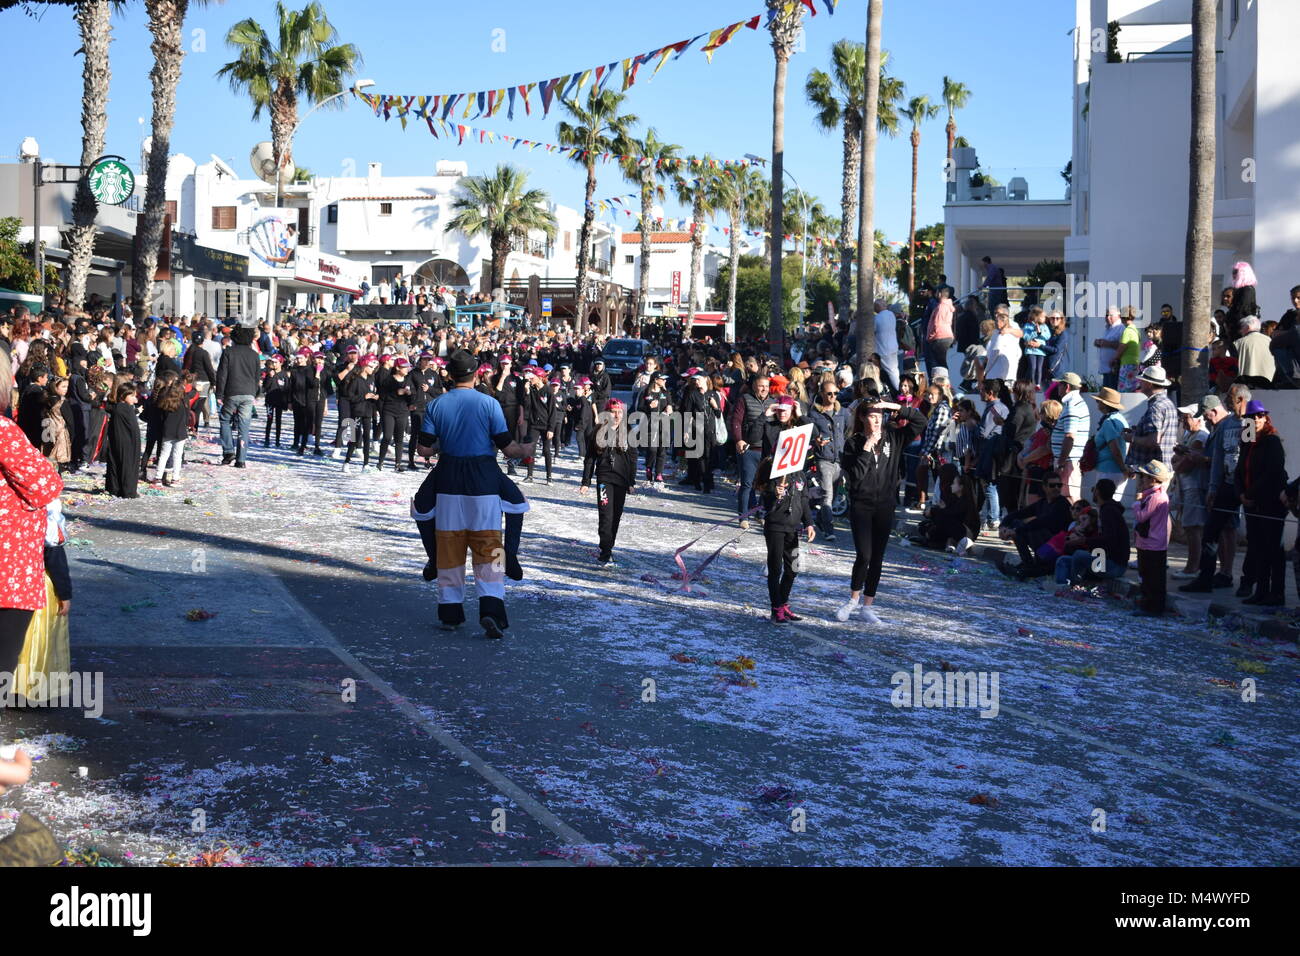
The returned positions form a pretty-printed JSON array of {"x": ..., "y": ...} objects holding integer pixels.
[
  {"x": 279, "y": 179},
  {"x": 803, "y": 252}
]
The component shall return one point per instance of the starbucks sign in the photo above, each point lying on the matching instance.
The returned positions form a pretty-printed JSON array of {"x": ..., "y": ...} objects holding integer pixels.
[{"x": 111, "y": 180}]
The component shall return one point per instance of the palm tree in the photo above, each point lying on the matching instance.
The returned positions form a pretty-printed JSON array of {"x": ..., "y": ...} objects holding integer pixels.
[
  {"x": 704, "y": 196},
  {"x": 865, "y": 332},
  {"x": 305, "y": 61},
  {"x": 955, "y": 96},
  {"x": 1200, "y": 205},
  {"x": 641, "y": 166},
  {"x": 93, "y": 21},
  {"x": 734, "y": 195},
  {"x": 598, "y": 128},
  {"x": 167, "y": 24},
  {"x": 501, "y": 207},
  {"x": 786, "y": 22},
  {"x": 758, "y": 209},
  {"x": 838, "y": 99},
  {"x": 918, "y": 110}
]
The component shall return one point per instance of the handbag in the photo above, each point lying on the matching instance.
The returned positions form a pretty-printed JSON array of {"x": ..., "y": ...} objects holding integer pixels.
[{"x": 1089, "y": 460}]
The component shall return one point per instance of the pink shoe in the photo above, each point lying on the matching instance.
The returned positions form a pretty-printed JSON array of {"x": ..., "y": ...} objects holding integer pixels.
[
  {"x": 779, "y": 615},
  {"x": 790, "y": 615}
]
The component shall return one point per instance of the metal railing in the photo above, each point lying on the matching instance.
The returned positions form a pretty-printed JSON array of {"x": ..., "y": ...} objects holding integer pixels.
[
  {"x": 601, "y": 265},
  {"x": 532, "y": 247}
]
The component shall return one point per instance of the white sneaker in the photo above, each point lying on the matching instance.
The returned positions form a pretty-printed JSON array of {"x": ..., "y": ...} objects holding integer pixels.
[
  {"x": 964, "y": 545},
  {"x": 744, "y": 525},
  {"x": 846, "y": 611},
  {"x": 950, "y": 549},
  {"x": 914, "y": 511},
  {"x": 348, "y": 469},
  {"x": 868, "y": 614},
  {"x": 338, "y": 453},
  {"x": 365, "y": 469}
]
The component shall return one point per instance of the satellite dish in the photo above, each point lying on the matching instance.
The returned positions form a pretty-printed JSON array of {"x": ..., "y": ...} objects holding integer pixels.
[{"x": 262, "y": 159}]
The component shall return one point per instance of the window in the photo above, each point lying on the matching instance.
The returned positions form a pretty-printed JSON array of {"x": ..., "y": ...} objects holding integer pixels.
[
  {"x": 223, "y": 217},
  {"x": 629, "y": 259},
  {"x": 232, "y": 304},
  {"x": 568, "y": 241},
  {"x": 171, "y": 210},
  {"x": 304, "y": 225},
  {"x": 385, "y": 209},
  {"x": 332, "y": 213}
]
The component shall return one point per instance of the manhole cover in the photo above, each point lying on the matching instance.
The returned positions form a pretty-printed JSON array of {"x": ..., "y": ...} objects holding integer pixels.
[{"x": 220, "y": 695}]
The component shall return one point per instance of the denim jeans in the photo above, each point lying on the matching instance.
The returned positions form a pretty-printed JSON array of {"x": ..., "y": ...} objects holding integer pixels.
[
  {"x": 828, "y": 472},
  {"x": 746, "y": 498},
  {"x": 240, "y": 408},
  {"x": 1077, "y": 566},
  {"x": 992, "y": 503}
]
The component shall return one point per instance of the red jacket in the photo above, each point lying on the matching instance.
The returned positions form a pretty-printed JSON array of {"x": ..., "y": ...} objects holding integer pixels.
[{"x": 28, "y": 482}]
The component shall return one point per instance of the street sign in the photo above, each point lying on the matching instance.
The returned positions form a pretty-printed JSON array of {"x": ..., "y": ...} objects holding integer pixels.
[
  {"x": 111, "y": 180},
  {"x": 546, "y": 307},
  {"x": 791, "y": 450}
]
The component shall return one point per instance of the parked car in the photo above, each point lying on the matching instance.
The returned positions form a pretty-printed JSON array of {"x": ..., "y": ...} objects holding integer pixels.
[{"x": 624, "y": 356}]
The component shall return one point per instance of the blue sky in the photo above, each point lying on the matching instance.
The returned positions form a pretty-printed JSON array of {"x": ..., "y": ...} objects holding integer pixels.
[{"x": 1016, "y": 61}]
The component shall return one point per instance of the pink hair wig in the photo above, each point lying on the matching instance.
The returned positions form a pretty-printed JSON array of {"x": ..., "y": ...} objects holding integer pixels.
[{"x": 1243, "y": 275}]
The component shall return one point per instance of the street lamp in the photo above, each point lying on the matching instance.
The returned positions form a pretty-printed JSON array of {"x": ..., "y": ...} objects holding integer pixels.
[{"x": 803, "y": 252}]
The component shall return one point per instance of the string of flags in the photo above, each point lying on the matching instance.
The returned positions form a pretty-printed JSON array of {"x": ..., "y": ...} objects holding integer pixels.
[
  {"x": 460, "y": 132},
  {"x": 490, "y": 103}
]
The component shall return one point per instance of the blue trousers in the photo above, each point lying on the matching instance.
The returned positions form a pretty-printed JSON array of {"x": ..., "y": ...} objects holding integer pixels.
[{"x": 746, "y": 497}]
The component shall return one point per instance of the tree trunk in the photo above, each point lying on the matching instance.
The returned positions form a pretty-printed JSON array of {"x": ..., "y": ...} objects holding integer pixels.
[
  {"x": 1200, "y": 207},
  {"x": 166, "y": 20},
  {"x": 284, "y": 117},
  {"x": 92, "y": 18},
  {"x": 500, "y": 252},
  {"x": 643, "y": 282},
  {"x": 911, "y": 229},
  {"x": 848, "y": 211},
  {"x": 776, "y": 327},
  {"x": 864, "y": 320},
  {"x": 584, "y": 241},
  {"x": 952, "y": 136},
  {"x": 735, "y": 268},
  {"x": 697, "y": 253}
]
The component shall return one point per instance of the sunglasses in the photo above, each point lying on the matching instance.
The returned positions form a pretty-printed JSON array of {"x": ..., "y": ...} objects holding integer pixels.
[{"x": 1053, "y": 484}]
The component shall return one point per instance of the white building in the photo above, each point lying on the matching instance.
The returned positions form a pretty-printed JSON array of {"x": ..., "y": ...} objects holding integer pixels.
[
  {"x": 1127, "y": 210},
  {"x": 670, "y": 270}
]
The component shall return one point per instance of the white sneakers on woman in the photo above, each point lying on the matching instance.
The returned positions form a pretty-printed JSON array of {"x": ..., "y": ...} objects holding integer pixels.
[
  {"x": 868, "y": 614},
  {"x": 865, "y": 612},
  {"x": 846, "y": 611}
]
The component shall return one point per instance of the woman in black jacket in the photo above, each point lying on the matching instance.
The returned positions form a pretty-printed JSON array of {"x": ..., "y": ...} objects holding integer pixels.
[
  {"x": 540, "y": 422},
  {"x": 654, "y": 402},
  {"x": 395, "y": 393},
  {"x": 613, "y": 463},
  {"x": 785, "y": 501},
  {"x": 700, "y": 405},
  {"x": 362, "y": 398},
  {"x": 873, "y": 454},
  {"x": 1261, "y": 479},
  {"x": 276, "y": 391},
  {"x": 1016, "y": 434}
]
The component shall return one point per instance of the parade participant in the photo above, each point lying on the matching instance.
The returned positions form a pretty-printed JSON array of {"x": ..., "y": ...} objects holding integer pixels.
[
  {"x": 873, "y": 455},
  {"x": 275, "y": 388},
  {"x": 317, "y": 401},
  {"x": 123, "y": 471},
  {"x": 460, "y": 506},
  {"x": 584, "y": 414},
  {"x": 341, "y": 373},
  {"x": 601, "y": 383},
  {"x": 540, "y": 413},
  {"x": 559, "y": 415},
  {"x": 613, "y": 463},
  {"x": 422, "y": 378},
  {"x": 508, "y": 390},
  {"x": 568, "y": 389},
  {"x": 655, "y": 402},
  {"x": 700, "y": 406},
  {"x": 362, "y": 397},
  {"x": 787, "y": 513},
  {"x": 395, "y": 394},
  {"x": 781, "y": 414}
]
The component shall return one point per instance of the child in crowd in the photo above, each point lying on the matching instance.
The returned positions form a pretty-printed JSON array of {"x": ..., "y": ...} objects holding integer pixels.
[
  {"x": 787, "y": 510},
  {"x": 46, "y": 650},
  {"x": 56, "y": 433},
  {"x": 123, "y": 473},
  {"x": 174, "y": 421},
  {"x": 1151, "y": 522}
]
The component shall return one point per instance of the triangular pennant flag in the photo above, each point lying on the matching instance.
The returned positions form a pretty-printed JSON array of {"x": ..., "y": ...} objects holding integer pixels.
[
  {"x": 582, "y": 81},
  {"x": 461, "y": 129},
  {"x": 510, "y": 113}
]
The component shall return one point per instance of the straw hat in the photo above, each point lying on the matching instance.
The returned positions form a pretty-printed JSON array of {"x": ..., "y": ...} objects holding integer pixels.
[
  {"x": 1157, "y": 469},
  {"x": 1108, "y": 397}
]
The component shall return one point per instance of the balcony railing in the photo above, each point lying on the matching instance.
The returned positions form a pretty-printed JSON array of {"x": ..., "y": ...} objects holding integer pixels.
[
  {"x": 600, "y": 265},
  {"x": 532, "y": 247}
]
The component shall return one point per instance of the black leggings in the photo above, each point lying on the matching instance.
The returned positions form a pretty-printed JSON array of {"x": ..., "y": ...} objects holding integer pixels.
[
  {"x": 13, "y": 632},
  {"x": 1265, "y": 562},
  {"x": 654, "y": 462},
  {"x": 781, "y": 549},
  {"x": 532, "y": 439},
  {"x": 345, "y": 412},
  {"x": 360, "y": 433},
  {"x": 301, "y": 424},
  {"x": 414, "y": 421},
  {"x": 394, "y": 432},
  {"x": 275, "y": 415},
  {"x": 609, "y": 505},
  {"x": 871, "y": 528}
]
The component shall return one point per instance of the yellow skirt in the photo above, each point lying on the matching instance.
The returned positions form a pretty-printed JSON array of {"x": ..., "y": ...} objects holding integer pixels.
[{"x": 46, "y": 650}]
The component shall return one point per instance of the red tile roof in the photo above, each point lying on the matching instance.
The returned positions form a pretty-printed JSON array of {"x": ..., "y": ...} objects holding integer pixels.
[{"x": 658, "y": 237}]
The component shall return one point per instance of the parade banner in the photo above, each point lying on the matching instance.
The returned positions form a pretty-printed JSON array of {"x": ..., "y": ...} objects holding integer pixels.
[
  {"x": 545, "y": 93},
  {"x": 791, "y": 451}
]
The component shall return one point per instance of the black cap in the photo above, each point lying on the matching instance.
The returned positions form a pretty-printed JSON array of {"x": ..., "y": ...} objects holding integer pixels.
[{"x": 461, "y": 364}]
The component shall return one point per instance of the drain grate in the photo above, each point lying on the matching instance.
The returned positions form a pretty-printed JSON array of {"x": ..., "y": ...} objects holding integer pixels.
[{"x": 223, "y": 695}]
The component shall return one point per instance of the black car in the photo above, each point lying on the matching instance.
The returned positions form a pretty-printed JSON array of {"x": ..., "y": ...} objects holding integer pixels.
[{"x": 624, "y": 356}]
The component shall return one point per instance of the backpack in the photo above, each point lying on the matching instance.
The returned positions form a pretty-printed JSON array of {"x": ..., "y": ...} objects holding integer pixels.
[
  {"x": 1089, "y": 460},
  {"x": 906, "y": 338}
]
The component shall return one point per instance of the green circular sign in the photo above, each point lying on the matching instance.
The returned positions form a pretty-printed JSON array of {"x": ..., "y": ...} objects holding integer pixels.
[{"x": 111, "y": 180}]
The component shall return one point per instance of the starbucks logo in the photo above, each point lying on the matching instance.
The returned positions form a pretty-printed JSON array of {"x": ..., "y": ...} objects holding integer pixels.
[{"x": 111, "y": 180}]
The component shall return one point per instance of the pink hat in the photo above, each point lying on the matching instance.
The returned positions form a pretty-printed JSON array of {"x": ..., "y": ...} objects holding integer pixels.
[
  {"x": 318, "y": 356},
  {"x": 387, "y": 356},
  {"x": 439, "y": 361},
  {"x": 614, "y": 404},
  {"x": 353, "y": 350},
  {"x": 305, "y": 352},
  {"x": 584, "y": 381},
  {"x": 532, "y": 371},
  {"x": 485, "y": 369},
  {"x": 403, "y": 362},
  {"x": 366, "y": 361}
]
